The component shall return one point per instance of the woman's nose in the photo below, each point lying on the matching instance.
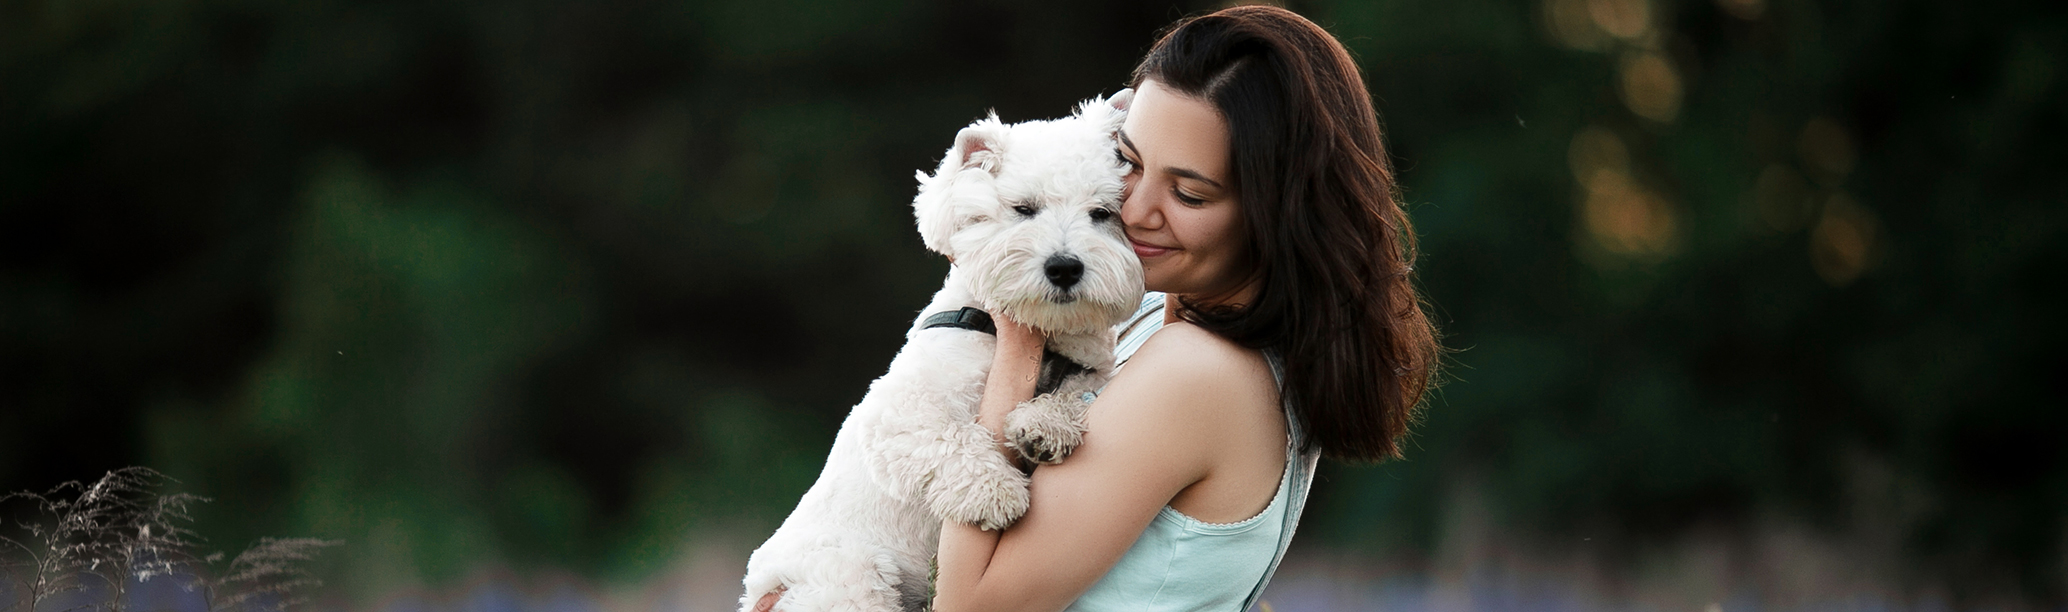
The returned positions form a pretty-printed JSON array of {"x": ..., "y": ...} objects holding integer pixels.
[{"x": 1135, "y": 210}]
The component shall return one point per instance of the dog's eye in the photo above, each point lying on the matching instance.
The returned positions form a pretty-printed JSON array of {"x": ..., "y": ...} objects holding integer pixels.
[
  {"x": 1101, "y": 214},
  {"x": 1024, "y": 210}
]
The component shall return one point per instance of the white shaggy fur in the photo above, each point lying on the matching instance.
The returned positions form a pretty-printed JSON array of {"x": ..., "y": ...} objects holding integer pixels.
[{"x": 911, "y": 454}]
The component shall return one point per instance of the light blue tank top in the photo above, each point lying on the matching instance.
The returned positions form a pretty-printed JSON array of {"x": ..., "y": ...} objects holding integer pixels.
[{"x": 1182, "y": 563}]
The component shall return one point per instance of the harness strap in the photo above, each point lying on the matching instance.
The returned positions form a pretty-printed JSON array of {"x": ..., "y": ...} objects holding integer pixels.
[{"x": 967, "y": 318}]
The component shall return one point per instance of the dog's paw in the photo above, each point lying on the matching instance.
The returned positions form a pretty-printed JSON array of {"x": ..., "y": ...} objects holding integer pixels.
[
  {"x": 980, "y": 489},
  {"x": 1045, "y": 429}
]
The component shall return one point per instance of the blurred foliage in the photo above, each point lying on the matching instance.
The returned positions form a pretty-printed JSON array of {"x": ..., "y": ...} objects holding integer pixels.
[{"x": 550, "y": 283}]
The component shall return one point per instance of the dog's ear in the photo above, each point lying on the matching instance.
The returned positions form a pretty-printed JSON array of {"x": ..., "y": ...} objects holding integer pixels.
[
  {"x": 1121, "y": 99},
  {"x": 1108, "y": 113},
  {"x": 944, "y": 202},
  {"x": 934, "y": 209},
  {"x": 978, "y": 146}
]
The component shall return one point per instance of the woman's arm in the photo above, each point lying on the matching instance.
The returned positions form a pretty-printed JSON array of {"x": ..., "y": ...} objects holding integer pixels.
[
  {"x": 1150, "y": 436},
  {"x": 1014, "y": 369},
  {"x": 965, "y": 555}
]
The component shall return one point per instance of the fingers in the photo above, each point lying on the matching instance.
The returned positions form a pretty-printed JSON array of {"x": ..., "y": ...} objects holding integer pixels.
[{"x": 768, "y": 602}]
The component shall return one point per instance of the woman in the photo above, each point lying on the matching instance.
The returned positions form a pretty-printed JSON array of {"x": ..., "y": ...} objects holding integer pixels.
[{"x": 1262, "y": 205}]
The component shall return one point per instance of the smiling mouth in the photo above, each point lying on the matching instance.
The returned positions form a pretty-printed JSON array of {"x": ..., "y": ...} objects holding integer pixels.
[{"x": 1144, "y": 250}]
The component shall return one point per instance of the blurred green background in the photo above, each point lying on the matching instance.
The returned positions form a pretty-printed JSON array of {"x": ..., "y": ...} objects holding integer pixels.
[{"x": 586, "y": 286}]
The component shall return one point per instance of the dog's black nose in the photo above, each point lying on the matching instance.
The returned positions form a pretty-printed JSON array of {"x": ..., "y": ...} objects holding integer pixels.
[{"x": 1064, "y": 270}]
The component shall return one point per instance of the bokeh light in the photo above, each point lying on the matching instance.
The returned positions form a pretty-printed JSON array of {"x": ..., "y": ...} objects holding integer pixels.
[
  {"x": 1625, "y": 19},
  {"x": 1842, "y": 245},
  {"x": 547, "y": 305},
  {"x": 1620, "y": 215},
  {"x": 1650, "y": 87},
  {"x": 1826, "y": 150}
]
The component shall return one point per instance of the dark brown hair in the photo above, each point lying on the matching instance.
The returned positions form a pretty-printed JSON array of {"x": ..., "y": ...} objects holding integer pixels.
[{"x": 1334, "y": 251}]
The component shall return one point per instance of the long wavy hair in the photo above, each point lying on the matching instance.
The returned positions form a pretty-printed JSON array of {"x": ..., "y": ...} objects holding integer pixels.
[{"x": 1334, "y": 252}]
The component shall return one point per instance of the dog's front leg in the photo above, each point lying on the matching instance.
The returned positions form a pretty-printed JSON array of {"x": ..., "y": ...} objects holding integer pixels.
[
  {"x": 949, "y": 462},
  {"x": 1047, "y": 428},
  {"x": 921, "y": 442},
  {"x": 973, "y": 483}
]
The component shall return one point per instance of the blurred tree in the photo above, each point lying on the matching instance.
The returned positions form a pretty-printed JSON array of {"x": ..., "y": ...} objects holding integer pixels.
[
  {"x": 1713, "y": 261},
  {"x": 570, "y": 283},
  {"x": 536, "y": 282}
]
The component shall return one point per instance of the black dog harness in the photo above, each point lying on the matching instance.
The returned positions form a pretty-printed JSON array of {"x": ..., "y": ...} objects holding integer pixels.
[
  {"x": 1054, "y": 366},
  {"x": 968, "y": 318}
]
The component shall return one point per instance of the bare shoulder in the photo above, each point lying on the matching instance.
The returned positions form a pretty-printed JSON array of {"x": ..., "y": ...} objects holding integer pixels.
[
  {"x": 1185, "y": 353},
  {"x": 1193, "y": 422},
  {"x": 1189, "y": 370}
]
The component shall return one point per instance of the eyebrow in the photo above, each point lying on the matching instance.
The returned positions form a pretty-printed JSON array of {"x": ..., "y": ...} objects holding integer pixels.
[{"x": 1183, "y": 172}]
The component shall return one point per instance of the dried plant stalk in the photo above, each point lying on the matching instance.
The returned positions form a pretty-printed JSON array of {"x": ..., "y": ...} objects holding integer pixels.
[{"x": 86, "y": 546}]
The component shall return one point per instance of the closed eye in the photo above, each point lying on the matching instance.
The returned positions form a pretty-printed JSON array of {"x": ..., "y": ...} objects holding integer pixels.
[
  {"x": 1124, "y": 161},
  {"x": 1185, "y": 198}
]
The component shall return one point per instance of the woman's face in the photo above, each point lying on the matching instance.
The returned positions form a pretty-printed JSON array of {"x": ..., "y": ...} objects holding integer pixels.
[{"x": 1180, "y": 209}]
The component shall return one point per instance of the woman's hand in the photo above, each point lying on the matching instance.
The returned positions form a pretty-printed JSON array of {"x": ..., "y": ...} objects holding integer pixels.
[
  {"x": 768, "y": 602},
  {"x": 1014, "y": 368}
]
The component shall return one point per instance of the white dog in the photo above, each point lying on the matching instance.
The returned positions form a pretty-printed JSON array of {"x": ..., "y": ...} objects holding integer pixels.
[{"x": 1029, "y": 216}]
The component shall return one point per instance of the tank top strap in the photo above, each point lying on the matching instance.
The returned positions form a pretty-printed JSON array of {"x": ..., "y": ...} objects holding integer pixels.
[
  {"x": 1300, "y": 479},
  {"x": 1131, "y": 334}
]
